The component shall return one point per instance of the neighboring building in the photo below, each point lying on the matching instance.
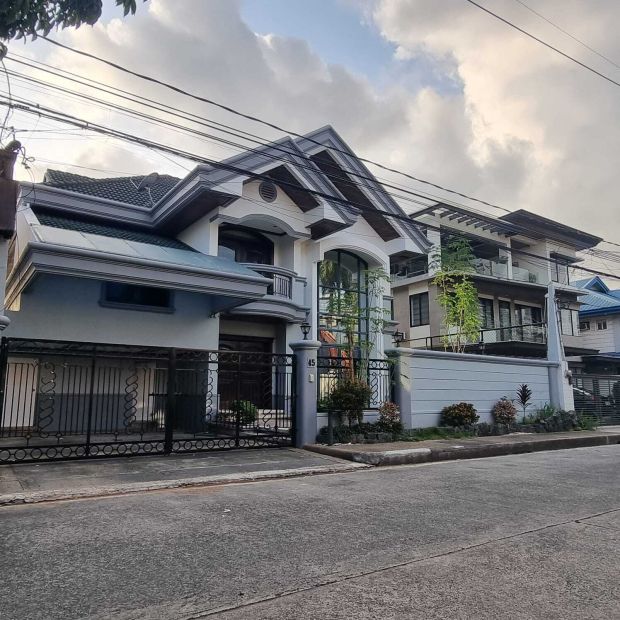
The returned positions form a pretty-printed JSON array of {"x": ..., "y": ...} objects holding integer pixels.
[
  {"x": 216, "y": 260},
  {"x": 517, "y": 255},
  {"x": 599, "y": 323}
]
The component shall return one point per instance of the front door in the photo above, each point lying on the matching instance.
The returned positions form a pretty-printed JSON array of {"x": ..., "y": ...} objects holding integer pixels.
[{"x": 248, "y": 375}]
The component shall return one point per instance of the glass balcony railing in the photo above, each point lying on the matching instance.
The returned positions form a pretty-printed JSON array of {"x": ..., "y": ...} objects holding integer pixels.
[{"x": 488, "y": 267}]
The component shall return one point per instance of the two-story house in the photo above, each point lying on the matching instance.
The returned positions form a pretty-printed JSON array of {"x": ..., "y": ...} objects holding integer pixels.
[
  {"x": 516, "y": 256},
  {"x": 599, "y": 323},
  {"x": 235, "y": 256}
]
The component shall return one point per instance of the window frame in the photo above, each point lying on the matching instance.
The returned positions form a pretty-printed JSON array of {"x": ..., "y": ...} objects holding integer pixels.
[
  {"x": 483, "y": 304},
  {"x": 599, "y": 323},
  {"x": 420, "y": 297},
  {"x": 119, "y": 305},
  {"x": 360, "y": 289}
]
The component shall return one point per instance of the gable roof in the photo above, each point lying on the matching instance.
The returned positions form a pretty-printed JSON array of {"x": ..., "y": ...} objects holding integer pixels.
[
  {"x": 171, "y": 204},
  {"x": 598, "y": 300},
  {"x": 121, "y": 189}
]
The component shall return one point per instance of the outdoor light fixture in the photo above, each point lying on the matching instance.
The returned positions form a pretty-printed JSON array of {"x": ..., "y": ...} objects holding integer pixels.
[
  {"x": 398, "y": 338},
  {"x": 305, "y": 329}
]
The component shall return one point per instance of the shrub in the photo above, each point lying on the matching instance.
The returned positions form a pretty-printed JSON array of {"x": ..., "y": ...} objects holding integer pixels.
[
  {"x": 587, "y": 422},
  {"x": 245, "y": 410},
  {"x": 389, "y": 418},
  {"x": 350, "y": 398},
  {"x": 459, "y": 414},
  {"x": 504, "y": 412}
]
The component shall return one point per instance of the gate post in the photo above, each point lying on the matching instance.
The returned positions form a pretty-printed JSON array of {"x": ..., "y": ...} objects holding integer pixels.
[
  {"x": 305, "y": 352},
  {"x": 402, "y": 384},
  {"x": 171, "y": 401}
]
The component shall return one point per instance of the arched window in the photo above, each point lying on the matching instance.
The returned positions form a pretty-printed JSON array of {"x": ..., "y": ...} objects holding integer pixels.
[
  {"x": 342, "y": 299},
  {"x": 243, "y": 245}
]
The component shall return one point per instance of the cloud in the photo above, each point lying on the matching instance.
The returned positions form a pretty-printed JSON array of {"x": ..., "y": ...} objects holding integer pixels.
[{"x": 520, "y": 126}]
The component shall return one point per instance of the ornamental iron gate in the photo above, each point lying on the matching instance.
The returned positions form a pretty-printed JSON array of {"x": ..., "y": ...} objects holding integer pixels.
[
  {"x": 379, "y": 374},
  {"x": 71, "y": 400}
]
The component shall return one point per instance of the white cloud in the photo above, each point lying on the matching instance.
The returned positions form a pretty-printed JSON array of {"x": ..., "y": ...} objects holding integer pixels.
[{"x": 527, "y": 130}]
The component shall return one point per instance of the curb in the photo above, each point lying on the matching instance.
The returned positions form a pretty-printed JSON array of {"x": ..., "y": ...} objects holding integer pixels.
[
  {"x": 452, "y": 453},
  {"x": 36, "y": 497}
]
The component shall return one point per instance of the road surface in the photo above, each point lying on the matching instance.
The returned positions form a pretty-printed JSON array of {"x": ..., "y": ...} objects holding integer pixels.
[{"x": 528, "y": 536}]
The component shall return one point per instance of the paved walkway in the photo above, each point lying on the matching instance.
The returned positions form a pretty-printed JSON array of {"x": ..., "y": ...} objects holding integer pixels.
[
  {"x": 36, "y": 482},
  {"x": 411, "y": 452}
]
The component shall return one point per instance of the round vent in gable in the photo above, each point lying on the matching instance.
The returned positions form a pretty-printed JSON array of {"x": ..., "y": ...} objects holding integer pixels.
[{"x": 268, "y": 191}]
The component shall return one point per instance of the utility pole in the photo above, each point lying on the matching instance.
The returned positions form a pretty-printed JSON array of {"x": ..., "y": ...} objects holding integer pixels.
[{"x": 9, "y": 192}]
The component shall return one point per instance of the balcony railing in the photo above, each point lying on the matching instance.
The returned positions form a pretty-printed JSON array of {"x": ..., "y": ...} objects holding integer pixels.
[
  {"x": 532, "y": 333},
  {"x": 487, "y": 267},
  {"x": 281, "y": 282}
]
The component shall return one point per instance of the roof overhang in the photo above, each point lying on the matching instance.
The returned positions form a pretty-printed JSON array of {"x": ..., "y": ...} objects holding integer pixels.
[
  {"x": 539, "y": 227},
  {"x": 223, "y": 289},
  {"x": 459, "y": 215}
]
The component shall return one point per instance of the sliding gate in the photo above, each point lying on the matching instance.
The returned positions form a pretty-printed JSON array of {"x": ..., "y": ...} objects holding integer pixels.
[{"x": 70, "y": 400}]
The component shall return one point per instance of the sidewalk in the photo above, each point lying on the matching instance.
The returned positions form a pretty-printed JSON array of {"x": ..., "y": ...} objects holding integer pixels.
[
  {"x": 411, "y": 452},
  {"x": 40, "y": 482}
]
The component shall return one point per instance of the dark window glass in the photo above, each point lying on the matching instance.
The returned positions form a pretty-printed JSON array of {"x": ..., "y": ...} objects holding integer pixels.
[
  {"x": 132, "y": 295},
  {"x": 418, "y": 305},
  {"x": 487, "y": 320},
  {"x": 244, "y": 246},
  {"x": 342, "y": 300}
]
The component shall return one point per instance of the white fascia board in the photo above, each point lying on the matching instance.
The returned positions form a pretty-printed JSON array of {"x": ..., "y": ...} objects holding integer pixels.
[
  {"x": 81, "y": 204},
  {"x": 403, "y": 244},
  {"x": 83, "y": 263}
]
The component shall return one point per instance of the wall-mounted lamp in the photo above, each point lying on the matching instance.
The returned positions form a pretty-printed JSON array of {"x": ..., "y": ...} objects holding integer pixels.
[{"x": 398, "y": 338}]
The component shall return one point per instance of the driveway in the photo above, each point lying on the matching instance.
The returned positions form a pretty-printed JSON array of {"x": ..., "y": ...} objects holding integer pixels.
[{"x": 527, "y": 536}]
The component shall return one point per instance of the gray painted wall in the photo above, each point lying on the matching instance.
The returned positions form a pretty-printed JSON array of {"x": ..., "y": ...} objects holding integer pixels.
[
  {"x": 438, "y": 379},
  {"x": 66, "y": 308}
]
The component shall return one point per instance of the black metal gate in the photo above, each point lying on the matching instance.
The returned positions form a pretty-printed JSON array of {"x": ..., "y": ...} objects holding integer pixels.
[
  {"x": 68, "y": 400},
  {"x": 598, "y": 395}
]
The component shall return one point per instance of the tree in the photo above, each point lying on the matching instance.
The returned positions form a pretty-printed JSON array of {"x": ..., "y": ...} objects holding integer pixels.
[
  {"x": 458, "y": 297},
  {"x": 22, "y": 18}
]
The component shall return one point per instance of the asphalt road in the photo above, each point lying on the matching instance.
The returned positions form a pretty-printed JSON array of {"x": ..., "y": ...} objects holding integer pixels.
[{"x": 528, "y": 536}]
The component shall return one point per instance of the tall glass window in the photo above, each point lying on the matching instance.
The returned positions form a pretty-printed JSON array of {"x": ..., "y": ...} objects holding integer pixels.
[{"x": 342, "y": 299}]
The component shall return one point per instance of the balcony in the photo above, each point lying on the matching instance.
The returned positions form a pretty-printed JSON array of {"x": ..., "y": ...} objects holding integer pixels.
[
  {"x": 488, "y": 267},
  {"x": 284, "y": 298}
]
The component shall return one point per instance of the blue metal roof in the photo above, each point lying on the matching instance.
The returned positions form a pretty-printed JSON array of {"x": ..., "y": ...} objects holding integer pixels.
[{"x": 595, "y": 302}]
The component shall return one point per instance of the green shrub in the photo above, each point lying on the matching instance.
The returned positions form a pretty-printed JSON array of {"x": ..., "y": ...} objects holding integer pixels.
[
  {"x": 245, "y": 410},
  {"x": 350, "y": 398},
  {"x": 459, "y": 414},
  {"x": 389, "y": 418},
  {"x": 504, "y": 412},
  {"x": 588, "y": 422}
]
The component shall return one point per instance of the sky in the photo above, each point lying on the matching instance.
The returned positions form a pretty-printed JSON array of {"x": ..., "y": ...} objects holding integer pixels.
[{"x": 440, "y": 90}]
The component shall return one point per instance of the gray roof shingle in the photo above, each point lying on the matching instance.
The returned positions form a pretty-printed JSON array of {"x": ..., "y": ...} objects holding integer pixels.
[
  {"x": 107, "y": 230},
  {"x": 120, "y": 189}
]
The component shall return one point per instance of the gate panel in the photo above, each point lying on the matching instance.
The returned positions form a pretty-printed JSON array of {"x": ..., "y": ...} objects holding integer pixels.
[
  {"x": 598, "y": 395},
  {"x": 63, "y": 400}
]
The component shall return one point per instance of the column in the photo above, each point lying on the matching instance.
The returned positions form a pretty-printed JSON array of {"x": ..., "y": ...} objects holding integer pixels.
[
  {"x": 305, "y": 352},
  {"x": 402, "y": 383}
]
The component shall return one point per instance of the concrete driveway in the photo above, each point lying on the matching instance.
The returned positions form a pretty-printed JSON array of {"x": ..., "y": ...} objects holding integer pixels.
[{"x": 527, "y": 536}]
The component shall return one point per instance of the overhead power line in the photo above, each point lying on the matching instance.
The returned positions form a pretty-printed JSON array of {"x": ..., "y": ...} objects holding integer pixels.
[
  {"x": 355, "y": 207},
  {"x": 568, "y": 34},
  {"x": 256, "y": 119},
  {"x": 551, "y": 47}
]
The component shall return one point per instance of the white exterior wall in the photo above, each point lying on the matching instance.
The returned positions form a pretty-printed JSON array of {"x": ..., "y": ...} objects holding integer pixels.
[
  {"x": 438, "y": 379},
  {"x": 605, "y": 340},
  {"x": 64, "y": 308}
]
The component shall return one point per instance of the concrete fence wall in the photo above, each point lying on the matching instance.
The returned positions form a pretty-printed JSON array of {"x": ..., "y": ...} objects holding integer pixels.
[{"x": 427, "y": 381}]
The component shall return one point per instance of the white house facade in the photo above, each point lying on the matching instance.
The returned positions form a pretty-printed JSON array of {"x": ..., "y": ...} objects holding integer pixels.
[{"x": 227, "y": 257}]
